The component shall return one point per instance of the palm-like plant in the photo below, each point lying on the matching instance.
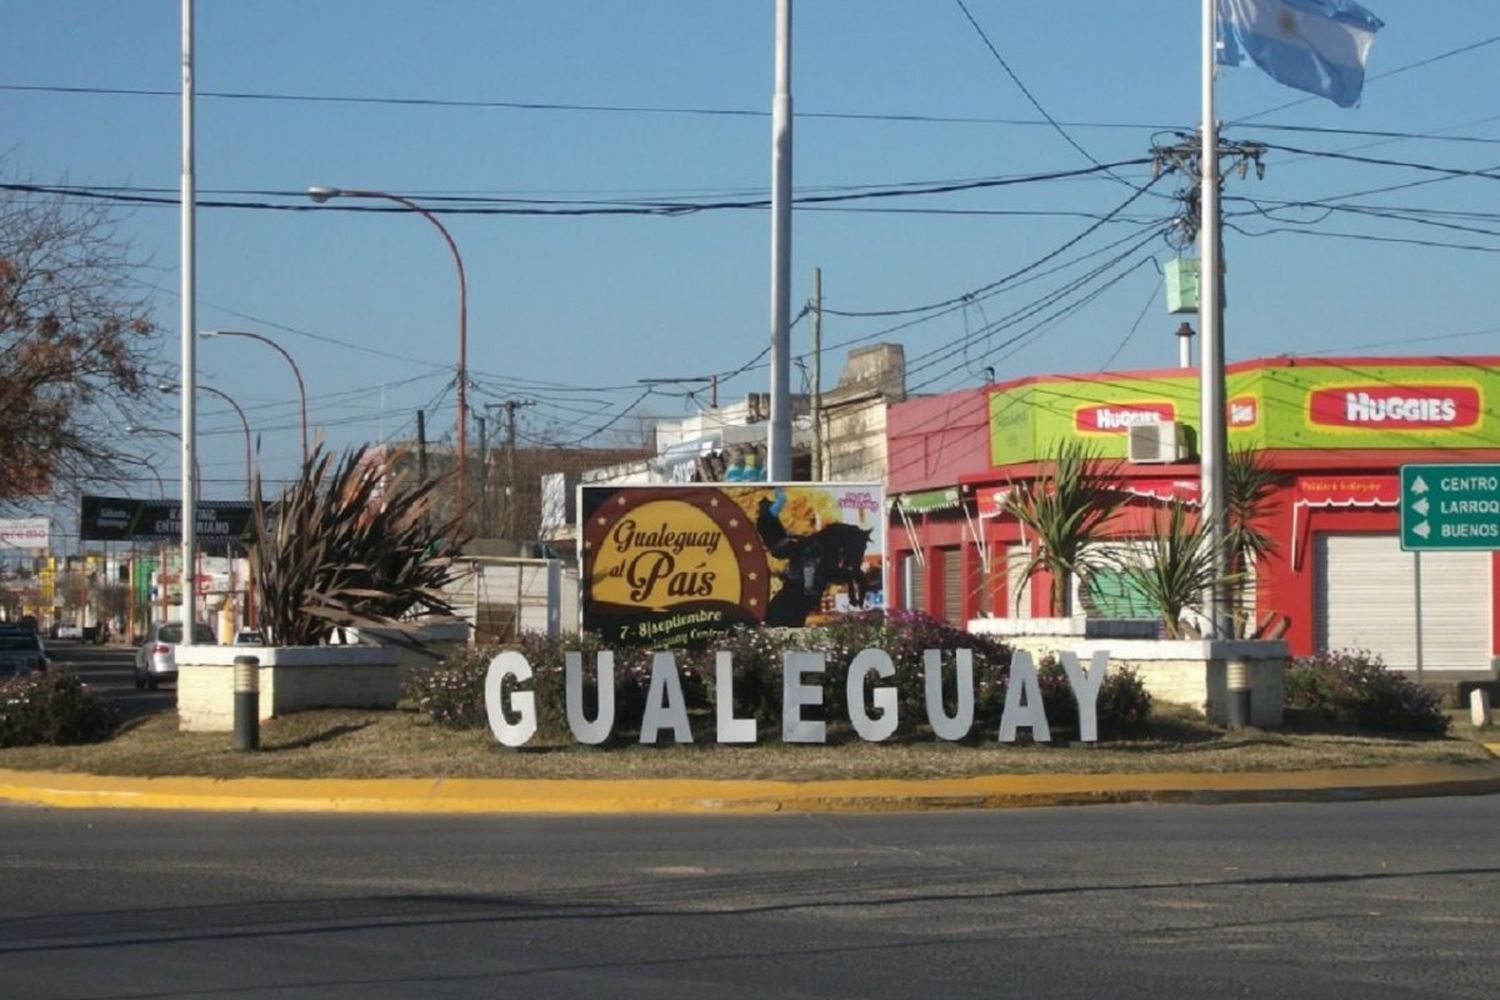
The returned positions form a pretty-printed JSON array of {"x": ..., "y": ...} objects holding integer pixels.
[
  {"x": 1251, "y": 485},
  {"x": 355, "y": 546},
  {"x": 1065, "y": 513},
  {"x": 1174, "y": 567}
]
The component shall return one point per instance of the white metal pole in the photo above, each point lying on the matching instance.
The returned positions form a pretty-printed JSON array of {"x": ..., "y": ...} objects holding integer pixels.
[
  {"x": 779, "y": 446},
  {"x": 1213, "y": 446},
  {"x": 189, "y": 339}
]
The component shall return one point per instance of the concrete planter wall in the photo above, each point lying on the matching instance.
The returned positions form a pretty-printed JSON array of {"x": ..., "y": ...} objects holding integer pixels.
[
  {"x": 1191, "y": 672},
  {"x": 440, "y": 641},
  {"x": 292, "y": 679}
]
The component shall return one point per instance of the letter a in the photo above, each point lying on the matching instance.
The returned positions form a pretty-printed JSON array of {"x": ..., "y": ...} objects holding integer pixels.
[
  {"x": 665, "y": 704},
  {"x": 1023, "y": 681}
]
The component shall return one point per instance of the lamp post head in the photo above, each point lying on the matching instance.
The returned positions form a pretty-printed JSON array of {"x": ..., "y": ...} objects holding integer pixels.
[
  {"x": 166, "y": 385},
  {"x": 206, "y": 334},
  {"x": 320, "y": 194}
]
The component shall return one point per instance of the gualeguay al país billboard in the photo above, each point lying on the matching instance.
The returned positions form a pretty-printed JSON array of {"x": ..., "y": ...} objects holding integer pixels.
[{"x": 667, "y": 566}]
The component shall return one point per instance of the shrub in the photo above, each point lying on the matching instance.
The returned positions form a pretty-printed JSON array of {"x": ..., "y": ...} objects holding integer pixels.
[
  {"x": 1355, "y": 688},
  {"x": 1123, "y": 707},
  {"x": 54, "y": 708},
  {"x": 452, "y": 692}
]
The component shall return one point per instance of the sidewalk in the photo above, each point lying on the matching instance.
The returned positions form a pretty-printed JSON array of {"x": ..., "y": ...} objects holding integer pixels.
[{"x": 545, "y": 796}]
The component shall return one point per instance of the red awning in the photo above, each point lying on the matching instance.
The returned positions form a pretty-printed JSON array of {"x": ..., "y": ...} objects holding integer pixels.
[
  {"x": 1164, "y": 489},
  {"x": 989, "y": 501},
  {"x": 1340, "y": 491}
]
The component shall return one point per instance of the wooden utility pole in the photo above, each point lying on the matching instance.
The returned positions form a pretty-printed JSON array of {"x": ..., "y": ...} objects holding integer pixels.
[
  {"x": 511, "y": 405},
  {"x": 817, "y": 375},
  {"x": 422, "y": 444},
  {"x": 484, "y": 465}
]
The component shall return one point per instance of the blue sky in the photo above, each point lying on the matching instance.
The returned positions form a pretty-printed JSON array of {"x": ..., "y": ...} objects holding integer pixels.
[{"x": 667, "y": 100}]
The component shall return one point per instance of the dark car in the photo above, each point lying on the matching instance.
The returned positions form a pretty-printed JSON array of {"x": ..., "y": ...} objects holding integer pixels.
[
  {"x": 21, "y": 652},
  {"x": 156, "y": 657}
]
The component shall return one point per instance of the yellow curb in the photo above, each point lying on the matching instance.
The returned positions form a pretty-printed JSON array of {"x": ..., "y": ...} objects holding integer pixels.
[
  {"x": 478, "y": 795},
  {"x": 1493, "y": 748}
]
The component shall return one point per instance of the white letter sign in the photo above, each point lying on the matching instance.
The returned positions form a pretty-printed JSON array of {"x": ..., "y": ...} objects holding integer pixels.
[
  {"x": 866, "y": 662},
  {"x": 1023, "y": 681},
  {"x": 512, "y": 665}
]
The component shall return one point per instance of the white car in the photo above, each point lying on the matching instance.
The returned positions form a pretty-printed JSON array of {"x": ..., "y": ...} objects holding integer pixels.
[
  {"x": 67, "y": 630},
  {"x": 249, "y": 637},
  {"x": 156, "y": 657}
]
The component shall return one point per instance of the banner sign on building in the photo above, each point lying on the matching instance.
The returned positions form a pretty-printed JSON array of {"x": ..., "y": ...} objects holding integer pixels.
[
  {"x": 668, "y": 566},
  {"x": 25, "y": 533},
  {"x": 112, "y": 519},
  {"x": 1309, "y": 404}
]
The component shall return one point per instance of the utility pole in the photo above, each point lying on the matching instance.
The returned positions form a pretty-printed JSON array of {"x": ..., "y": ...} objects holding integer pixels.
[
  {"x": 1198, "y": 158},
  {"x": 511, "y": 405},
  {"x": 422, "y": 444},
  {"x": 484, "y": 465},
  {"x": 779, "y": 443},
  {"x": 817, "y": 375}
]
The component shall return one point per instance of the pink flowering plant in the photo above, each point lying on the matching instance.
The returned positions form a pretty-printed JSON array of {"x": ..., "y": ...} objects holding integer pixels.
[{"x": 1354, "y": 689}]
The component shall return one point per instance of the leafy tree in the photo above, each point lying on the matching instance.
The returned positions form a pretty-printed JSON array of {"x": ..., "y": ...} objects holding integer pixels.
[
  {"x": 1174, "y": 567},
  {"x": 1066, "y": 512},
  {"x": 75, "y": 342}
]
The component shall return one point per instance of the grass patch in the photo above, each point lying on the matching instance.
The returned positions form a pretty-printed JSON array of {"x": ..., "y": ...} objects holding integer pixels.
[{"x": 365, "y": 744}]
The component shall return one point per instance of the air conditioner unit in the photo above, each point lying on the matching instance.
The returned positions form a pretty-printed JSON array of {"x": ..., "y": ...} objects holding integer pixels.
[{"x": 1159, "y": 442}]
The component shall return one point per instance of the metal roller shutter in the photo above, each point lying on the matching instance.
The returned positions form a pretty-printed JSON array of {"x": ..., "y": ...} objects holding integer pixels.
[
  {"x": 953, "y": 586},
  {"x": 1367, "y": 599}
]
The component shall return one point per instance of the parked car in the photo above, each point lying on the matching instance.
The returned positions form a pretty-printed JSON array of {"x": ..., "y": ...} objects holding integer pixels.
[
  {"x": 67, "y": 630},
  {"x": 249, "y": 637},
  {"x": 21, "y": 652},
  {"x": 156, "y": 657}
]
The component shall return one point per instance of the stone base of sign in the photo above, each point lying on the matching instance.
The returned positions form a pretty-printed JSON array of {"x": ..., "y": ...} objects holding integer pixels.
[
  {"x": 292, "y": 679},
  {"x": 1192, "y": 672}
]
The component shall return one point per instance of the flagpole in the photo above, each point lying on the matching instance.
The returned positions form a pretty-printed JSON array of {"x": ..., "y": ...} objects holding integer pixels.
[{"x": 1213, "y": 446}]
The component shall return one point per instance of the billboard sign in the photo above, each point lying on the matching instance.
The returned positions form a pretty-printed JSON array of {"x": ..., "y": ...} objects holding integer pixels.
[
  {"x": 667, "y": 566},
  {"x": 25, "y": 533},
  {"x": 112, "y": 519},
  {"x": 1290, "y": 406}
]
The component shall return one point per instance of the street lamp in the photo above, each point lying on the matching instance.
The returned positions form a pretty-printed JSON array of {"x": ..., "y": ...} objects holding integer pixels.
[
  {"x": 322, "y": 194},
  {"x": 167, "y": 432},
  {"x": 301, "y": 388},
  {"x": 165, "y": 386}
]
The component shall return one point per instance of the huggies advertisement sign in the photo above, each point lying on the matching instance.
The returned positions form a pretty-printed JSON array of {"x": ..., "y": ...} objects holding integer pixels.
[{"x": 671, "y": 566}]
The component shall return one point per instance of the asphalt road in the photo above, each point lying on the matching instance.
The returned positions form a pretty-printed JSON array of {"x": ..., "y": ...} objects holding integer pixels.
[
  {"x": 110, "y": 670},
  {"x": 1385, "y": 899}
]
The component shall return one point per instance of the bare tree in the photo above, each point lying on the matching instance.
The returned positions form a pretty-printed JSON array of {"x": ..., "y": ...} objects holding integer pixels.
[{"x": 75, "y": 342}]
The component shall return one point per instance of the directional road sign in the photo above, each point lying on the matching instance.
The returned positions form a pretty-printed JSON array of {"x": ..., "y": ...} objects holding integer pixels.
[{"x": 1450, "y": 507}]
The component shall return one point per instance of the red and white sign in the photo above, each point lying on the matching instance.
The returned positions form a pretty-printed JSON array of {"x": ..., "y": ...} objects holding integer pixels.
[
  {"x": 1244, "y": 411},
  {"x": 989, "y": 501},
  {"x": 1118, "y": 418},
  {"x": 24, "y": 533},
  {"x": 1396, "y": 407}
]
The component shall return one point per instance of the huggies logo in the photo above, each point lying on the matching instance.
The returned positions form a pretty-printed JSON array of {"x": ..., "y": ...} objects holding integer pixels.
[
  {"x": 1401, "y": 407},
  {"x": 1117, "y": 418}
]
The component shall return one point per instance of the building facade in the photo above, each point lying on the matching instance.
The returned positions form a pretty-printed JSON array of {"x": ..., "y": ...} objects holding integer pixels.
[{"x": 1336, "y": 431}]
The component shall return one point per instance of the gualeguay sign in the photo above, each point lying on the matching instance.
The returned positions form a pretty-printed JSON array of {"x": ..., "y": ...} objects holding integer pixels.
[{"x": 669, "y": 566}]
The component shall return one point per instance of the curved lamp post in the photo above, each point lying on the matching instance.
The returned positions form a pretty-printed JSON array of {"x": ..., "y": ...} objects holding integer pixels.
[
  {"x": 172, "y": 387},
  {"x": 301, "y": 388},
  {"x": 320, "y": 195}
]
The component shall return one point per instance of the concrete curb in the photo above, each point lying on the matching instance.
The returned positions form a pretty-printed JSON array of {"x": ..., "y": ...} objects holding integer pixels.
[{"x": 563, "y": 797}]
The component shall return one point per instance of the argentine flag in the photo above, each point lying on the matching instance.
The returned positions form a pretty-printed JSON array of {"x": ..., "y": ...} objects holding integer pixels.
[{"x": 1319, "y": 46}]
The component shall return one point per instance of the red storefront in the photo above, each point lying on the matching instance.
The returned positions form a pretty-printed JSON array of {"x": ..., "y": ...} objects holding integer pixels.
[{"x": 1336, "y": 429}]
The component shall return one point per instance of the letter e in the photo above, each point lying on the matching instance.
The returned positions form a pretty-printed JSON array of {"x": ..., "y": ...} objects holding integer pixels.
[{"x": 796, "y": 695}]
